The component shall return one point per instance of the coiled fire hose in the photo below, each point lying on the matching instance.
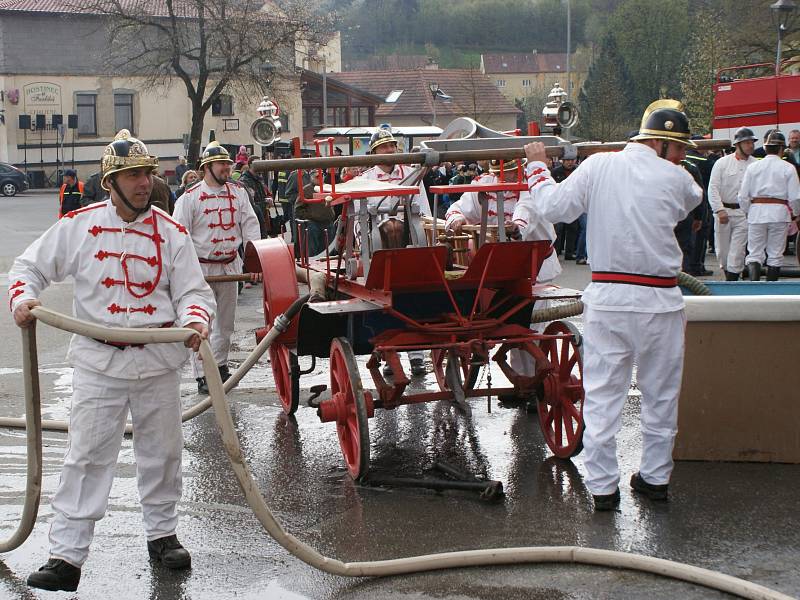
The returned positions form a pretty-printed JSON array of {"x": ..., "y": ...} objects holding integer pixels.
[{"x": 382, "y": 568}]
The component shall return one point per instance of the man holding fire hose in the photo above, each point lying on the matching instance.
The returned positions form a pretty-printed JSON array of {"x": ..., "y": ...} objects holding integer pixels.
[
  {"x": 219, "y": 217},
  {"x": 133, "y": 267},
  {"x": 633, "y": 307}
]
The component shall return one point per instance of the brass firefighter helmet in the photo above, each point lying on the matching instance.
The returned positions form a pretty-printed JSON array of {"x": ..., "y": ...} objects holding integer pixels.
[
  {"x": 665, "y": 120},
  {"x": 508, "y": 165},
  {"x": 214, "y": 152},
  {"x": 380, "y": 137},
  {"x": 125, "y": 152}
]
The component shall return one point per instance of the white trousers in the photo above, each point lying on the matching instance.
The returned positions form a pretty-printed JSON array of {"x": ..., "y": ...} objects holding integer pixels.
[
  {"x": 769, "y": 239},
  {"x": 100, "y": 406},
  {"x": 613, "y": 341},
  {"x": 521, "y": 361},
  {"x": 225, "y": 294},
  {"x": 731, "y": 241}
]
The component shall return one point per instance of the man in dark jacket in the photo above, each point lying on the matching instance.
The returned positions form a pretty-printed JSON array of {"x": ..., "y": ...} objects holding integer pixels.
[
  {"x": 69, "y": 196},
  {"x": 92, "y": 192}
]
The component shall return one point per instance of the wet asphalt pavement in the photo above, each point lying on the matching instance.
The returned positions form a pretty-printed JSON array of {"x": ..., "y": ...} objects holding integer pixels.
[{"x": 740, "y": 519}]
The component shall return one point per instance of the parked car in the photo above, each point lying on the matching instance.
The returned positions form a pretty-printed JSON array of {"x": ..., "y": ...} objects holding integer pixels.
[{"x": 12, "y": 180}]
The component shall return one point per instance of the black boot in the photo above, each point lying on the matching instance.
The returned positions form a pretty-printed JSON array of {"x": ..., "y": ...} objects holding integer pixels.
[
  {"x": 731, "y": 276},
  {"x": 169, "y": 552},
  {"x": 202, "y": 386},
  {"x": 773, "y": 273},
  {"x": 224, "y": 373},
  {"x": 606, "y": 502},
  {"x": 654, "y": 492},
  {"x": 754, "y": 269},
  {"x": 56, "y": 575}
]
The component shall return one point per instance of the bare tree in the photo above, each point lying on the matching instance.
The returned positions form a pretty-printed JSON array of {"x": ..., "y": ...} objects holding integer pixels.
[{"x": 211, "y": 46}]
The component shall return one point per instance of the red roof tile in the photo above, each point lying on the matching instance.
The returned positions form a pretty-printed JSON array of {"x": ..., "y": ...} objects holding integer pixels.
[
  {"x": 473, "y": 94},
  {"x": 153, "y": 7}
]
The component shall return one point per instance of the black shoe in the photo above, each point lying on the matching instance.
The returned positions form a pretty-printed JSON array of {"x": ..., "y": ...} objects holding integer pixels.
[
  {"x": 202, "y": 386},
  {"x": 56, "y": 575},
  {"x": 169, "y": 552},
  {"x": 654, "y": 492},
  {"x": 224, "y": 373},
  {"x": 606, "y": 502},
  {"x": 731, "y": 276},
  {"x": 773, "y": 273},
  {"x": 580, "y": 261},
  {"x": 754, "y": 270},
  {"x": 417, "y": 367},
  {"x": 569, "y": 257}
]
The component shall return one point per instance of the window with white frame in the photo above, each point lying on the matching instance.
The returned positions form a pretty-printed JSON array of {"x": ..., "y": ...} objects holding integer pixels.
[
  {"x": 123, "y": 111},
  {"x": 501, "y": 83},
  {"x": 87, "y": 113}
]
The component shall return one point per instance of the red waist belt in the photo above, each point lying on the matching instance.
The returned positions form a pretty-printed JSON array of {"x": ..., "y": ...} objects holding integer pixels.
[
  {"x": 221, "y": 261},
  {"x": 634, "y": 279},
  {"x": 123, "y": 346},
  {"x": 769, "y": 201}
]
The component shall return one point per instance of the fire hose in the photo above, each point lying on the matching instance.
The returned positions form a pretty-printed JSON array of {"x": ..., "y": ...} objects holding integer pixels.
[{"x": 301, "y": 550}]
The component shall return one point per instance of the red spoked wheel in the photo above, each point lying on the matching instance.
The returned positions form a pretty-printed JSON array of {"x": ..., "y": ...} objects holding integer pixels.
[
  {"x": 469, "y": 373},
  {"x": 351, "y": 408},
  {"x": 285, "y": 371},
  {"x": 561, "y": 394},
  {"x": 274, "y": 258}
]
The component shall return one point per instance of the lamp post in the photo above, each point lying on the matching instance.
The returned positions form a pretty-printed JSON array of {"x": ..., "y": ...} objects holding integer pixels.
[
  {"x": 782, "y": 13},
  {"x": 434, "y": 87}
]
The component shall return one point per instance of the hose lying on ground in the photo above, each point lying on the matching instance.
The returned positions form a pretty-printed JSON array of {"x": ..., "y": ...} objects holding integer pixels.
[
  {"x": 189, "y": 413},
  {"x": 413, "y": 564},
  {"x": 697, "y": 287},
  {"x": 553, "y": 313}
]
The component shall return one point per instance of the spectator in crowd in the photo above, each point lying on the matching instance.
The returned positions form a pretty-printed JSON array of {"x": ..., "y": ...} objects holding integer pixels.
[
  {"x": 189, "y": 178},
  {"x": 792, "y": 153},
  {"x": 314, "y": 220},
  {"x": 291, "y": 193},
  {"x": 92, "y": 191},
  {"x": 69, "y": 196},
  {"x": 162, "y": 196},
  {"x": 237, "y": 170},
  {"x": 566, "y": 233},
  {"x": 254, "y": 185},
  {"x": 242, "y": 156},
  {"x": 704, "y": 164},
  {"x": 180, "y": 169},
  {"x": 278, "y": 189}
]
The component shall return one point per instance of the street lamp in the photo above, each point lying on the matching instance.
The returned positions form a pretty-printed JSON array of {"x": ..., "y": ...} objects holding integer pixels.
[
  {"x": 782, "y": 13},
  {"x": 436, "y": 92},
  {"x": 268, "y": 72}
]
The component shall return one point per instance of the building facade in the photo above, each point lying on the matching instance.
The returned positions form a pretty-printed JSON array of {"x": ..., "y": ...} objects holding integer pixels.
[
  {"x": 50, "y": 65},
  {"x": 520, "y": 75}
]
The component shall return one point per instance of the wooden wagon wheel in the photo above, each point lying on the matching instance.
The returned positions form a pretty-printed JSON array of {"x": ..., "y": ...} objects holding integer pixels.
[
  {"x": 469, "y": 376},
  {"x": 280, "y": 290},
  {"x": 352, "y": 407},
  {"x": 561, "y": 395}
]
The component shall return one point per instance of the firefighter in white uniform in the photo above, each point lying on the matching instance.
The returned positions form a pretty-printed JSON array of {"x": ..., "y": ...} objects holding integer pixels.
[
  {"x": 467, "y": 209},
  {"x": 730, "y": 222},
  {"x": 634, "y": 309},
  {"x": 218, "y": 214},
  {"x": 383, "y": 142},
  {"x": 770, "y": 197},
  {"x": 133, "y": 267}
]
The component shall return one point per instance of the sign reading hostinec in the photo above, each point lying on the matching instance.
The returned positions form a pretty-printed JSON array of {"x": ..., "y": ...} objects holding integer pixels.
[{"x": 42, "y": 98}]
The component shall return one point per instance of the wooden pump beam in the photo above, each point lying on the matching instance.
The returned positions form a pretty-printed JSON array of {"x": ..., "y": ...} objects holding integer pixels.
[{"x": 420, "y": 158}]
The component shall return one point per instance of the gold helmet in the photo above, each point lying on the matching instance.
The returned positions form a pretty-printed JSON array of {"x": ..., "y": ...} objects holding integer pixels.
[
  {"x": 214, "y": 152},
  {"x": 380, "y": 137},
  {"x": 125, "y": 152},
  {"x": 665, "y": 120},
  {"x": 508, "y": 165}
]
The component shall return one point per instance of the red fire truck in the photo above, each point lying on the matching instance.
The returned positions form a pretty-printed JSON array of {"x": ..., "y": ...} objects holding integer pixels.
[{"x": 753, "y": 96}]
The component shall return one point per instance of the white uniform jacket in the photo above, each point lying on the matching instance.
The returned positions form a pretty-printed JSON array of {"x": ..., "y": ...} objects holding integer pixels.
[
  {"x": 398, "y": 174},
  {"x": 219, "y": 221},
  {"x": 139, "y": 274},
  {"x": 770, "y": 177},
  {"x": 725, "y": 182},
  {"x": 633, "y": 199},
  {"x": 533, "y": 227},
  {"x": 469, "y": 207}
]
